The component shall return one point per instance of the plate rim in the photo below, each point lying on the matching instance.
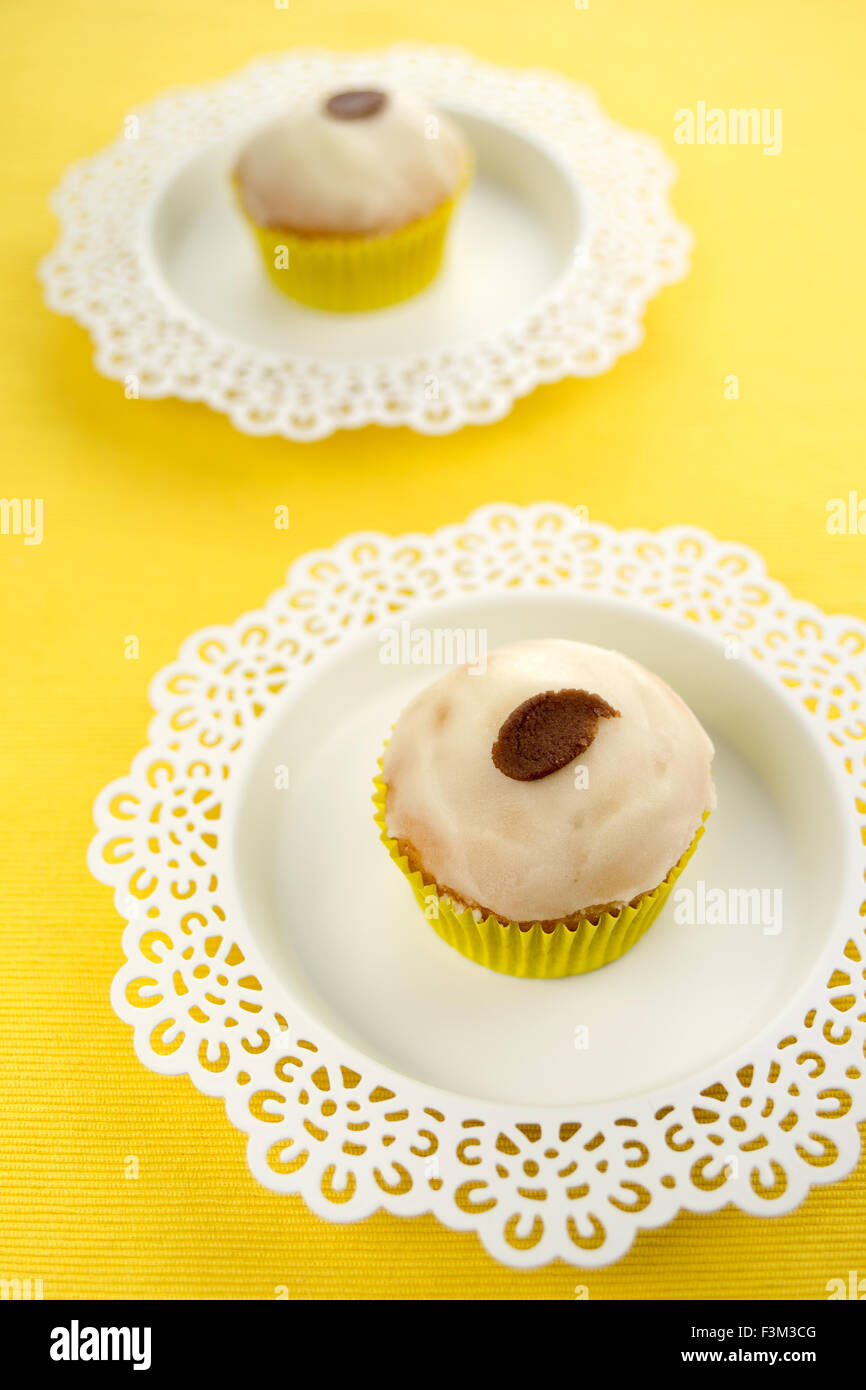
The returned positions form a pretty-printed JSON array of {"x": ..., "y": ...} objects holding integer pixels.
[
  {"x": 165, "y": 367},
  {"x": 249, "y": 758},
  {"x": 664, "y": 1205},
  {"x": 583, "y": 198}
]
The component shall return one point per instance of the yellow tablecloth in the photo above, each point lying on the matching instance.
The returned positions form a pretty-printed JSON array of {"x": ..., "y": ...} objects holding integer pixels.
[{"x": 159, "y": 520}]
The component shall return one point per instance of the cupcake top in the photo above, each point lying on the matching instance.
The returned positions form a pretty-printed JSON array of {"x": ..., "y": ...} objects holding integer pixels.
[
  {"x": 563, "y": 778},
  {"x": 351, "y": 163}
]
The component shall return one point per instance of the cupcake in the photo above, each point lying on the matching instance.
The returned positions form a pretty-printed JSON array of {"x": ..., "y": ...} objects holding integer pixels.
[
  {"x": 350, "y": 197},
  {"x": 542, "y": 808}
]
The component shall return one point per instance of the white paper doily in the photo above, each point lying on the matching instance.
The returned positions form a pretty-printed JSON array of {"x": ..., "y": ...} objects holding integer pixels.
[
  {"x": 550, "y": 1181},
  {"x": 120, "y": 210}
]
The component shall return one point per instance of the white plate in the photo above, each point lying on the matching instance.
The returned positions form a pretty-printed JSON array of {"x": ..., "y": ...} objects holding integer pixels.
[
  {"x": 276, "y": 955},
  {"x": 563, "y": 237},
  {"x": 342, "y": 932},
  {"x": 513, "y": 239}
]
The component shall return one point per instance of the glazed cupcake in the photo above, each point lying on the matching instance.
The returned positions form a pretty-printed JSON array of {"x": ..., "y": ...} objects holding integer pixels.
[
  {"x": 350, "y": 196},
  {"x": 543, "y": 808}
]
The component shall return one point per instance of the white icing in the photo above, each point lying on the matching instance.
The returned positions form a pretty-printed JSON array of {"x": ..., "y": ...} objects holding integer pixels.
[
  {"x": 311, "y": 172},
  {"x": 542, "y": 850}
]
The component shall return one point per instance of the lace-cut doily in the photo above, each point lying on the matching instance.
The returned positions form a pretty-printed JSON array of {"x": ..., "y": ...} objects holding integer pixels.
[
  {"x": 572, "y": 1183},
  {"x": 101, "y": 272}
]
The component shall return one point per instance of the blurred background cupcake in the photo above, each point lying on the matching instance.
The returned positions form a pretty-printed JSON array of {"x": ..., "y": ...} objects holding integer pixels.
[
  {"x": 542, "y": 808},
  {"x": 350, "y": 197}
]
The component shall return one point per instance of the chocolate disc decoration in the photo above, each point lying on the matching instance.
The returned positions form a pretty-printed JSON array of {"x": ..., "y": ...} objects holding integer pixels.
[
  {"x": 548, "y": 731},
  {"x": 355, "y": 106}
]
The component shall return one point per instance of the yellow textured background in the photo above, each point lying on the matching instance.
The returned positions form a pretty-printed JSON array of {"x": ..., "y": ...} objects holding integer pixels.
[{"x": 159, "y": 520}]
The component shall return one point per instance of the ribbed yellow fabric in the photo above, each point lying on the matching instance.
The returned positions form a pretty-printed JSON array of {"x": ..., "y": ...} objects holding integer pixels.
[{"x": 159, "y": 520}]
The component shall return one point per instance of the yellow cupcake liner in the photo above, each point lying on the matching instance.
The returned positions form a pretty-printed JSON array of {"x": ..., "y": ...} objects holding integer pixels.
[
  {"x": 352, "y": 273},
  {"x": 533, "y": 953}
]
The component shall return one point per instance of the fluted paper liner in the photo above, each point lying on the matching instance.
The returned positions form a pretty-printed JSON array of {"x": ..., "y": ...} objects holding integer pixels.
[
  {"x": 351, "y": 273},
  {"x": 532, "y": 952}
]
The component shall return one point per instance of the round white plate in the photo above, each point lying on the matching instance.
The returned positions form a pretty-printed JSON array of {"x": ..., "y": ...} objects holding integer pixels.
[
  {"x": 563, "y": 236},
  {"x": 275, "y": 953},
  {"x": 513, "y": 239},
  {"x": 684, "y": 998}
]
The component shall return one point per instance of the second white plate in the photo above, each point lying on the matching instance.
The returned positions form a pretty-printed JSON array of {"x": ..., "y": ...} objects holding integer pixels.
[
  {"x": 513, "y": 238},
  {"x": 276, "y": 955},
  {"x": 341, "y": 929},
  {"x": 564, "y": 236}
]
